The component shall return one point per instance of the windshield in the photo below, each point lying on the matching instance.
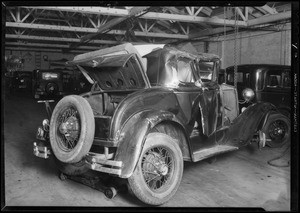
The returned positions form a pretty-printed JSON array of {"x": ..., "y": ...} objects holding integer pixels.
[
  {"x": 188, "y": 71},
  {"x": 204, "y": 70}
]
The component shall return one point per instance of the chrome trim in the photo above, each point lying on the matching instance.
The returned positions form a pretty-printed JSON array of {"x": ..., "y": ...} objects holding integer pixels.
[
  {"x": 99, "y": 162},
  {"x": 41, "y": 151},
  {"x": 106, "y": 143}
]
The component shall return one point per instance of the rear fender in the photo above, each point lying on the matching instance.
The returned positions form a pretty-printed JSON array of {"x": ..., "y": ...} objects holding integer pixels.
[
  {"x": 265, "y": 119},
  {"x": 133, "y": 135},
  {"x": 247, "y": 123}
]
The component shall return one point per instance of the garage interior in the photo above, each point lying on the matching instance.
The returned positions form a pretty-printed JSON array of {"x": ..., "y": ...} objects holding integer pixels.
[{"x": 45, "y": 37}]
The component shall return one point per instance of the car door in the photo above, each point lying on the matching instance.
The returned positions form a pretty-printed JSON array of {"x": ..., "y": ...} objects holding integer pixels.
[
  {"x": 199, "y": 103},
  {"x": 277, "y": 87}
]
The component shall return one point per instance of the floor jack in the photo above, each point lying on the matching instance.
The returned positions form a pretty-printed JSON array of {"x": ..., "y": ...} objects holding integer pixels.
[{"x": 108, "y": 185}]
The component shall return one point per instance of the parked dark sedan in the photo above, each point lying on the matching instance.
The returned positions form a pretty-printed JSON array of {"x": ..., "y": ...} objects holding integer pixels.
[
  {"x": 271, "y": 83},
  {"x": 141, "y": 124},
  {"x": 24, "y": 80},
  {"x": 47, "y": 83}
]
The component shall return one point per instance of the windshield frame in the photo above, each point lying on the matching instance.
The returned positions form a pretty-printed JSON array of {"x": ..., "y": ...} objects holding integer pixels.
[{"x": 215, "y": 70}]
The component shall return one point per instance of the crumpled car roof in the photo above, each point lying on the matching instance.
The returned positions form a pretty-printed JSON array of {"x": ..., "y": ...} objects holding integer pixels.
[{"x": 189, "y": 48}]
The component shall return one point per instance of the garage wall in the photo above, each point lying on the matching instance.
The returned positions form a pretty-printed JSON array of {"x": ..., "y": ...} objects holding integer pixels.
[
  {"x": 35, "y": 59},
  {"x": 268, "y": 47}
]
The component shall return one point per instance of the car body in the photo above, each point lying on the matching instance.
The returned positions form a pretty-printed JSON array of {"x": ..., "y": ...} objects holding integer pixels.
[
  {"x": 48, "y": 83},
  {"x": 24, "y": 80},
  {"x": 141, "y": 120},
  {"x": 270, "y": 82}
]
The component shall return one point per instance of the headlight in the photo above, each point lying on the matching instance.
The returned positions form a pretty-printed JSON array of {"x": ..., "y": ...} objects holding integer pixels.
[
  {"x": 248, "y": 94},
  {"x": 46, "y": 125}
]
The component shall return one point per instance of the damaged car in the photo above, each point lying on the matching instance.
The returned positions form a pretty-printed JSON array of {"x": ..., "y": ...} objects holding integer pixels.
[{"x": 145, "y": 116}]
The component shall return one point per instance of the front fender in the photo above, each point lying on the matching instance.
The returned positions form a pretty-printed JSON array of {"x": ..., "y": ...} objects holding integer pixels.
[
  {"x": 247, "y": 123},
  {"x": 133, "y": 134}
]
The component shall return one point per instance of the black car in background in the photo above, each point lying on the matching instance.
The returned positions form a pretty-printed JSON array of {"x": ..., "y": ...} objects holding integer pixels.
[
  {"x": 23, "y": 80},
  {"x": 18, "y": 81},
  {"x": 271, "y": 83},
  {"x": 47, "y": 83}
]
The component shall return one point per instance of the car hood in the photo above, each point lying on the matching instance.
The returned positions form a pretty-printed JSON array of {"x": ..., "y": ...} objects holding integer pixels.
[{"x": 116, "y": 68}]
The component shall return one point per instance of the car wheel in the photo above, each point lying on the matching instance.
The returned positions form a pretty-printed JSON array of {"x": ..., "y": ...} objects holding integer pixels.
[
  {"x": 277, "y": 130},
  {"x": 285, "y": 112},
  {"x": 72, "y": 129},
  {"x": 158, "y": 173}
]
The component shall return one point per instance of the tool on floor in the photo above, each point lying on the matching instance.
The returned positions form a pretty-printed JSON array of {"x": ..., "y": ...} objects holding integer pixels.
[{"x": 108, "y": 186}]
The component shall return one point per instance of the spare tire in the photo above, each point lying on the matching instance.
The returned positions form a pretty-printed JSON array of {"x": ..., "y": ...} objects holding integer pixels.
[{"x": 72, "y": 129}]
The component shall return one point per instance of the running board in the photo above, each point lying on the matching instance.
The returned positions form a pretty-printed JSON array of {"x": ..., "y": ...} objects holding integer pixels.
[{"x": 209, "y": 152}]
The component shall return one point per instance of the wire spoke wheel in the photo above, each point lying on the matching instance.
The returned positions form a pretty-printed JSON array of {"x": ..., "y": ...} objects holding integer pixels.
[
  {"x": 157, "y": 167},
  {"x": 277, "y": 130},
  {"x": 159, "y": 170},
  {"x": 72, "y": 129},
  {"x": 69, "y": 128}
]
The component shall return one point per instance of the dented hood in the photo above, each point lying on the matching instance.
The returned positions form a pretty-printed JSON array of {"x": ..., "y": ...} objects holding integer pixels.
[{"x": 116, "y": 68}]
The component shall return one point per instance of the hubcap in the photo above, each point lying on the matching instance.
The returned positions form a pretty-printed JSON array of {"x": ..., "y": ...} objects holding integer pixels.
[
  {"x": 277, "y": 130},
  {"x": 157, "y": 168},
  {"x": 68, "y": 129}
]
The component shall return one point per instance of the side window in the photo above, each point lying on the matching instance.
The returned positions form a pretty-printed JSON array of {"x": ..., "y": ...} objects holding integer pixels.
[
  {"x": 274, "y": 79},
  {"x": 286, "y": 79},
  {"x": 247, "y": 80},
  {"x": 230, "y": 78}
]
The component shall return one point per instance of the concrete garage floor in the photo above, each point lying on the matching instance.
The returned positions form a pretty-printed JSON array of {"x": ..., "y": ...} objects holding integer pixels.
[{"x": 237, "y": 179}]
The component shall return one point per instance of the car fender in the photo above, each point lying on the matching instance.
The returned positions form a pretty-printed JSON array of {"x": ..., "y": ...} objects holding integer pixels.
[
  {"x": 133, "y": 135},
  {"x": 284, "y": 109},
  {"x": 243, "y": 127}
]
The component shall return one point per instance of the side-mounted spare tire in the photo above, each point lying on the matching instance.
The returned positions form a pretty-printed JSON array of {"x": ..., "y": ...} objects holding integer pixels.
[{"x": 72, "y": 129}]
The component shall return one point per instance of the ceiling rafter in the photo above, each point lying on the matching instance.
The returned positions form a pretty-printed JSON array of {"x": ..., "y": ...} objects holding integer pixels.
[
  {"x": 90, "y": 30},
  {"x": 42, "y": 49},
  {"x": 269, "y": 9},
  {"x": 50, "y": 45},
  {"x": 198, "y": 11},
  {"x": 69, "y": 25},
  {"x": 149, "y": 15},
  {"x": 241, "y": 13}
]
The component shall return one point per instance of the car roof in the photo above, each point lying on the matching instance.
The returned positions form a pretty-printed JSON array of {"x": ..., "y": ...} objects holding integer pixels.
[{"x": 256, "y": 66}]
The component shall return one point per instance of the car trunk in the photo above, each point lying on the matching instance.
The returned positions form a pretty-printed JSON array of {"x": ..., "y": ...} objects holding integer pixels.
[{"x": 115, "y": 73}]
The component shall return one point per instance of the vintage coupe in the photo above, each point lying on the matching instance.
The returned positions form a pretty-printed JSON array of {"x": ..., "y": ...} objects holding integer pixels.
[{"x": 142, "y": 119}]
